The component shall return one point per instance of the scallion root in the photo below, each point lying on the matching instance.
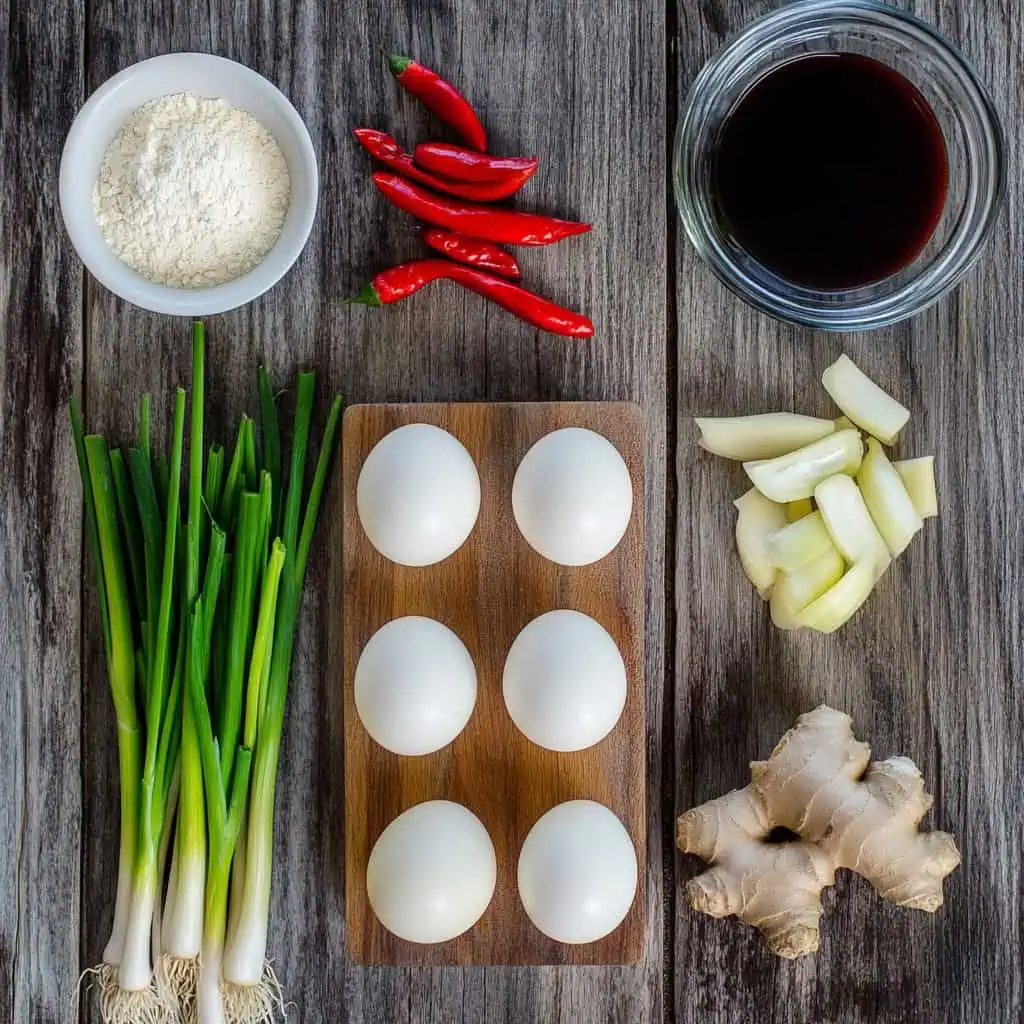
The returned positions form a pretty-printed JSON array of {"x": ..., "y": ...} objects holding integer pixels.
[
  {"x": 153, "y": 1005},
  {"x": 181, "y": 976},
  {"x": 168, "y": 995},
  {"x": 144, "y": 1006},
  {"x": 102, "y": 977},
  {"x": 255, "y": 1004}
]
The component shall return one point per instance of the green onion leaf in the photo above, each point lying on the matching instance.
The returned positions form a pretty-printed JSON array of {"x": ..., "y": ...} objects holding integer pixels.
[
  {"x": 317, "y": 489},
  {"x": 151, "y": 524},
  {"x": 235, "y": 478},
  {"x": 271, "y": 432},
  {"x": 214, "y": 481},
  {"x": 131, "y": 528},
  {"x": 144, "y": 427},
  {"x": 243, "y": 597}
]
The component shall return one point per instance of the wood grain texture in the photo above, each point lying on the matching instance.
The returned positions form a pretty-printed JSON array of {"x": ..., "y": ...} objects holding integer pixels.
[
  {"x": 582, "y": 85},
  {"x": 930, "y": 668},
  {"x": 486, "y": 592},
  {"x": 40, "y": 520}
]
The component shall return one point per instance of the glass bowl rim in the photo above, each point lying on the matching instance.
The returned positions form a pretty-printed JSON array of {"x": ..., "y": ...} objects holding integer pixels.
[{"x": 967, "y": 237}]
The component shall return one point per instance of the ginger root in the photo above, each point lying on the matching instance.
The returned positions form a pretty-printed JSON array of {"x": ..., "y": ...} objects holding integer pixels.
[{"x": 817, "y": 784}]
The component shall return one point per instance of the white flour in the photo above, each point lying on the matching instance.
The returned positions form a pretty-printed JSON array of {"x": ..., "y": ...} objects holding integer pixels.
[{"x": 192, "y": 192}]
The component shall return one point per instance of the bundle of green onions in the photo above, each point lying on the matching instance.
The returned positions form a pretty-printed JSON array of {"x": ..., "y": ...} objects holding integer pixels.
[{"x": 198, "y": 608}]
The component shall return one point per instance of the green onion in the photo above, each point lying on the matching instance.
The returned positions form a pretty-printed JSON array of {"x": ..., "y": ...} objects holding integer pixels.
[
  {"x": 198, "y": 634},
  {"x": 214, "y": 477},
  {"x": 120, "y": 674},
  {"x": 132, "y": 530},
  {"x": 152, "y": 527},
  {"x": 225, "y": 801},
  {"x": 161, "y": 476},
  {"x": 235, "y": 477},
  {"x": 271, "y": 441},
  {"x": 184, "y": 938},
  {"x": 245, "y": 953},
  {"x": 249, "y": 456},
  {"x": 243, "y": 597},
  {"x": 136, "y": 968}
]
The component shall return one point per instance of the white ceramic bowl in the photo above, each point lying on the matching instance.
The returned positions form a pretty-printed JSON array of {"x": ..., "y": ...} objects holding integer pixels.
[{"x": 98, "y": 122}]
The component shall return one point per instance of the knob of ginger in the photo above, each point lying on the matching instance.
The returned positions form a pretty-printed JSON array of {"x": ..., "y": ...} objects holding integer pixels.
[{"x": 846, "y": 813}]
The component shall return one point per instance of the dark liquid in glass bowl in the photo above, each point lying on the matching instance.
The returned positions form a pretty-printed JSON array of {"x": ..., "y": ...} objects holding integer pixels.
[{"x": 831, "y": 171}]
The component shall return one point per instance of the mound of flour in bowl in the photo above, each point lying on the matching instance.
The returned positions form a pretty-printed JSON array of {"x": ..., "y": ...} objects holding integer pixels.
[{"x": 192, "y": 192}]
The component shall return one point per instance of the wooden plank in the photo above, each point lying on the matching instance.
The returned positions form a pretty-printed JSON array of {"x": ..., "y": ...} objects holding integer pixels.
[
  {"x": 40, "y": 523},
  {"x": 928, "y": 669},
  {"x": 487, "y": 592},
  {"x": 580, "y": 84}
]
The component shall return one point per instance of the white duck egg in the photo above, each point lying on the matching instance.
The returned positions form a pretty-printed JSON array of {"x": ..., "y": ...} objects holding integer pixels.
[
  {"x": 564, "y": 681},
  {"x": 415, "y": 685},
  {"x": 418, "y": 495},
  {"x": 577, "y": 872},
  {"x": 432, "y": 872},
  {"x": 572, "y": 496}
]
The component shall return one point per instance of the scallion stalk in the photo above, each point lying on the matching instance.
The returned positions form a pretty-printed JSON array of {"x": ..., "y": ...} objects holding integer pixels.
[
  {"x": 184, "y": 938},
  {"x": 214, "y": 480},
  {"x": 243, "y": 595},
  {"x": 225, "y": 800},
  {"x": 271, "y": 433},
  {"x": 120, "y": 659},
  {"x": 132, "y": 531},
  {"x": 136, "y": 968},
  {"x": 236, "y": 475},
  {"x": 245, "y": 954}
]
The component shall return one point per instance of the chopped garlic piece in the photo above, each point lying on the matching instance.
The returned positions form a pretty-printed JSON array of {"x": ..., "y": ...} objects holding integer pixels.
[
  {"x": 758, "y": 520},
  {"x": 795, "y": 475},
  {"x": 918, "y": 477},
  {"x": 863, "y": 401},
  {"x": 887, "y": 500},
  {"x": 794, "y": 591},
  {"x": 838, "y": 604},
  {"x": 760, "y": 437},
  {"x": 849, "y": 522},
  {"x": 799, "y": 543}
]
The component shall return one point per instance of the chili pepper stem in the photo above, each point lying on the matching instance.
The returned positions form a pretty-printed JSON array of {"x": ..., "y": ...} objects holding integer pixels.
[
  {"x": 397, "y": 64},
  {"x": 366, "y": 296}
]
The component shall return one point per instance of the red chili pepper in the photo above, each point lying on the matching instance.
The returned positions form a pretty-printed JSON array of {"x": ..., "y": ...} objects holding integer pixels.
[
  {"x": 496, "y": 225},
  {"x": 482, "y": 255},
  {"x": 388, "y": 152},
  {"x": 441, "y": 97},
  {"x": 468, "y": 165},
  {"x": 407, "y": 278}
]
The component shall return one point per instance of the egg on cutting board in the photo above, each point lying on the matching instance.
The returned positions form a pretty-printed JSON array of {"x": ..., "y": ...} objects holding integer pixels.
[
  {"x": 415, "y": 685},
  {"x": 432, "y": 872},
  {"x": 577, "y": 872},
  {"x": 418, "y": 495},
  {"x": 572, "y": 496},
  {"x": 564, "y": 681}
]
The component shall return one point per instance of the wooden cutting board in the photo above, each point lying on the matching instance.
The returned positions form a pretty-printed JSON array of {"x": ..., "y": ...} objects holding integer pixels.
[{"x": 487, "y": 592}]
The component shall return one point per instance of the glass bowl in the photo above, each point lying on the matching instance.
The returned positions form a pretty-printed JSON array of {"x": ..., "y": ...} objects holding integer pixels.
[{"x": 966, "y": 115}]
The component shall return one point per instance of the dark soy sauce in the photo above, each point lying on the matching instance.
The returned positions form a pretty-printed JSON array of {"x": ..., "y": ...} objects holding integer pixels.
[{"x": 831, "y": 171}]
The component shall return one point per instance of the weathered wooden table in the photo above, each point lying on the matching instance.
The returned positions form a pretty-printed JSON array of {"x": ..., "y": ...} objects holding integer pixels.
[{"x": 933, "y": 668}]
